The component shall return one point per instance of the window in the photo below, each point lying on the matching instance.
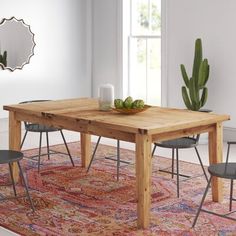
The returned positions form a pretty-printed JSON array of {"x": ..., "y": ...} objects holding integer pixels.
[{"x": 142, "y": 34}]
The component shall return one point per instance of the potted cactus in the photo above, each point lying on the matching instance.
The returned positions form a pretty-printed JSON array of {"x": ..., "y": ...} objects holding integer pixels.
[
  {"x": 195, "y": 92},
  {"x": 3, "y": 59}
]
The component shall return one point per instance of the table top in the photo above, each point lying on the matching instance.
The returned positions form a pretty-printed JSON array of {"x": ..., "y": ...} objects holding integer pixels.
[{"x": 152, "y": 121}]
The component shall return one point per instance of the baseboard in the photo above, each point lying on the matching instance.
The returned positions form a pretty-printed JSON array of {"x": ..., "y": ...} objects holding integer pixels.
[
  {"x": 4, "y": 125},
  {"x": 229, "y": 134}
]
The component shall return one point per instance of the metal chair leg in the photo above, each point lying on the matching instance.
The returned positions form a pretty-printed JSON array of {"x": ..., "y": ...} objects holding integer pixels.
[
  {"x": 154, "y": 149},
  {"x": 40, "y": 144},
  {"x": 199, "y": 158},
  {"x": 203, "y": 198},
  {"x": 231, "y": 194},
  {"x": 68, "y": 151},
  {"x": 231, "y": 182},
  {"x": 23, "y": 139},
  {"x": 26, "y": 187},
  {"x": 173, "y": 163},
  {"x": 118, "y": 160},
  {"x": 227, "y": 156},
  {"x": 94, "y": 152},
  {"x": 177, "y": 167},
  {"x": 12, "y": 179},
  {"x": 48, "y": 152}
]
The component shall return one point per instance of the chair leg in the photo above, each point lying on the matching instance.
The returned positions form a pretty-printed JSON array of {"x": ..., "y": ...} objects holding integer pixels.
[
  {"x": 154, "y": 149},
  {"x": 203, "y": 198},
  {"x": 173, "y": 163},
  {"x": 227, "y": 156},
  {"x": 48, "y": 152},
  {"x": 23, "y": 139},
  {"x": 118, "y": 160},
  {"x": 177, "y": 170},
  {"x": 231, "y": 195},
  {"x": 26, "y": 187},
  {"x": 67, "y": 149},
  {"x": 199, "y": 158},
  {"x": 40, "y": 144},
  {"x": 94, "y": 152},
  {"x": 12, "y": 179}
]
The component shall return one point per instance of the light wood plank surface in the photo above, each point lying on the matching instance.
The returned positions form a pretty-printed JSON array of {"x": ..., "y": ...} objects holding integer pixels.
[{"x": 155, "y": 120}]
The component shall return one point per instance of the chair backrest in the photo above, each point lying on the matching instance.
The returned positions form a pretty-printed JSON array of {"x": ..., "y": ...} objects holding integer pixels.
[
  {"x": 26, "y": 123},
  {"x": 197, "y": 137}
]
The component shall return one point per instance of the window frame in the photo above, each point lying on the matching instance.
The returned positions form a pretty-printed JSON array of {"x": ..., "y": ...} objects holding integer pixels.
[{"x": 127, "y": 35}]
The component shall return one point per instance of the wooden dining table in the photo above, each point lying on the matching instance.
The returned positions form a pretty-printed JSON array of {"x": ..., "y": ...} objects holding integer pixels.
[{"x": 144, "y": 128}]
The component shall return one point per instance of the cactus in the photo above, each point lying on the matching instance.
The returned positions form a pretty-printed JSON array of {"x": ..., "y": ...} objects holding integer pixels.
[
  {"x": 3, "y": 59},
  {"x": 195, "y": 93}
]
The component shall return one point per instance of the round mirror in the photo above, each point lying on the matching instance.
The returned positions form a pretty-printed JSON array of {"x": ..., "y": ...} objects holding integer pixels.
[{"x": 16, "y": 44}]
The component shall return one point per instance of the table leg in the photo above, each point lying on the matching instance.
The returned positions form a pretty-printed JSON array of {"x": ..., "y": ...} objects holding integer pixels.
[
  {"x": 143, "y": 179},
  {"x": 85, "y": 144},
  {"x": 215, "y": 156},
  {"x": 14, "y": 140}
]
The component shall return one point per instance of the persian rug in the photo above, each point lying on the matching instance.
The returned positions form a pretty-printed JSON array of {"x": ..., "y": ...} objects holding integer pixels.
[{"x": 69, "y": 201}]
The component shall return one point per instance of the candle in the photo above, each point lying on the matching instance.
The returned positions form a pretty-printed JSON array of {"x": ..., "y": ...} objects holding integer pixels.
[{"x": 106, "y": 97}]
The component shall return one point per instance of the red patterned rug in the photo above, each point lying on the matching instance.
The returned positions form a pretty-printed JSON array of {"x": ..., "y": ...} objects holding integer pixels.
[{"x": 70, "y": 201}]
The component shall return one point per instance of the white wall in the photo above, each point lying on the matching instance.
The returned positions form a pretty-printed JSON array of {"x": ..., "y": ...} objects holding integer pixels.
[
  {"x": 106, "y": 39},
  {"x": 186, "y": 20},
  {"x": 60, "y": 67},
  {"x": 214, "y": 22}
]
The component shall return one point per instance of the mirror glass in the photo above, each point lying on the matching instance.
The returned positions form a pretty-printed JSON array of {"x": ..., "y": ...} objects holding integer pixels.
[{"x": 16, "y": 44}]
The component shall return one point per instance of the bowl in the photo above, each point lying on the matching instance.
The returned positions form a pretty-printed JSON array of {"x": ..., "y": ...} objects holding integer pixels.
[{"x": 130, "y": 111}]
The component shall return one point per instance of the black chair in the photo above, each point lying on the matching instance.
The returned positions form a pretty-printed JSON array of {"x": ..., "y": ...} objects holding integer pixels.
[
  {"x": 38, "y": 128},
  {"x": 175, "y": 145},
  {"x": 9, "y": 157},
  {"x": 117, "y": 159},
  {"x": 221, "y": 170}
]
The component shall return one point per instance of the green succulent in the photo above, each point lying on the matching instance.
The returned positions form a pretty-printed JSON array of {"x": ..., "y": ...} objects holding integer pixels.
[
  {"x": 128, "y": 102},
  {"x": 138, "y": 104},
  {"x": 118, "y": 103},
  {"x": 3, "y": 58}
]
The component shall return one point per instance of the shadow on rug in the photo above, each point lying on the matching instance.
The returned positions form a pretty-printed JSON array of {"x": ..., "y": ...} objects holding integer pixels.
[{"x": 70, "y": 201}]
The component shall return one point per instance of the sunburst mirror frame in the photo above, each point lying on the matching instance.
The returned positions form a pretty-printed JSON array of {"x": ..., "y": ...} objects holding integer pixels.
[{"x": 27, "y": 60}]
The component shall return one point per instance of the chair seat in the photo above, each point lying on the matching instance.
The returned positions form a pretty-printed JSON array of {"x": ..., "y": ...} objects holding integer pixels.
[
  {"x": 40, "y": 128},
  {"x": 223, "y": 170},
  {"x": 185, "y": 142},
  {"x": 8, "y": 156}
]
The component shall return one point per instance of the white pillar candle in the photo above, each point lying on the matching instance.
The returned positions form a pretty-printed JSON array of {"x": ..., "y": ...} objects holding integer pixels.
[{"x": 106, "y": 97}]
